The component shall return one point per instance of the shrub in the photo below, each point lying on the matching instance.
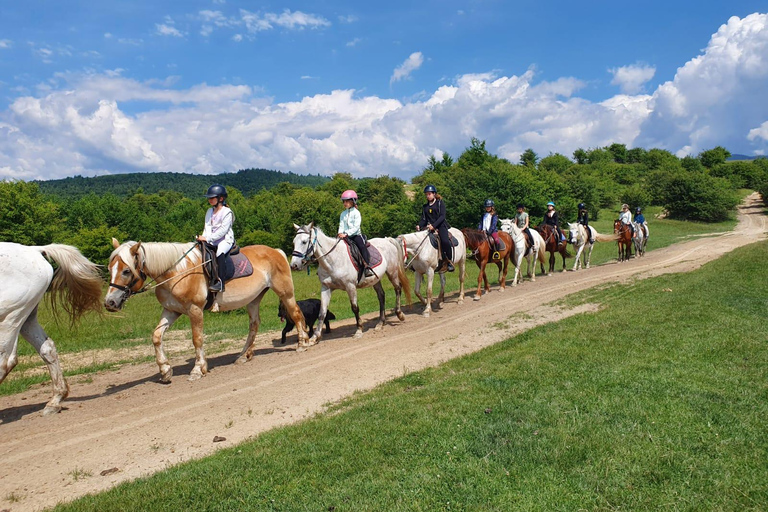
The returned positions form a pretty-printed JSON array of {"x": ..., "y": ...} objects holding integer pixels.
[{"x": 698, "y": 196}]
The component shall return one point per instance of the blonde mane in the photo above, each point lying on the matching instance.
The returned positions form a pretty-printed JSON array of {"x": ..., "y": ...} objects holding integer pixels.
[{"x": 158, "y": 257}]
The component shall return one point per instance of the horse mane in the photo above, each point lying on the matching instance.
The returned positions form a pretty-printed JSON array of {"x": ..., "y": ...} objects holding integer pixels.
[
  {"x": 160, "y": 257},
  {"x": 474, "y": 237}
]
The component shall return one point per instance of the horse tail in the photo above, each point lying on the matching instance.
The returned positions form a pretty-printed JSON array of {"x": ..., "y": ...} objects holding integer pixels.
[
  {"x": 76, "y": 284},
  {"x": 401, "y": 275},
  {"x": 605, "y": 238}
]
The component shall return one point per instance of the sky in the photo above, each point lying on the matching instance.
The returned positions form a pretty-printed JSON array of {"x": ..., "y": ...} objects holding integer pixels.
[{"x": 369, "y": 88}]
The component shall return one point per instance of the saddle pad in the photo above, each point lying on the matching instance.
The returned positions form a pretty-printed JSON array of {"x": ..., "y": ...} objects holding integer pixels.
[
  {"x": 433, "y": 239},
  {"x": 373, "y": 252},
  {"x": 243, "y": 267}
]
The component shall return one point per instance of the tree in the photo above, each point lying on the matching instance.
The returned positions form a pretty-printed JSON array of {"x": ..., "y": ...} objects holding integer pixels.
[
  {"x": 28, "y": 217},
  {"x": 619, "y": 152},
  {"x": 580, "y": 156},
  {"x": 475, "y": 155},
  {"x": 636, "y": 155},
  {"x": 529, "y": 158},
  {"x": 714, "y": 156},
  {"x": 557, "y": 163}
]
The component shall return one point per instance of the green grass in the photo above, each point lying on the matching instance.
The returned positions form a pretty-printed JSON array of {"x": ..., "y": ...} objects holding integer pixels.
[
  {"x": 133, "y": 326},
  {"x": 658, "y": 401}
]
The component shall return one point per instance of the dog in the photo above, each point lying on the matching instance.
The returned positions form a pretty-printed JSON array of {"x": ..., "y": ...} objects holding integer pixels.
[{"x": 310, "y": 308}]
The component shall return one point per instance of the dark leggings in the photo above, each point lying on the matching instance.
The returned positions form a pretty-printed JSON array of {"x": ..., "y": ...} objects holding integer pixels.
[
  {"x": 360, "y": 243},
  {"x": 445, "y": 242}
]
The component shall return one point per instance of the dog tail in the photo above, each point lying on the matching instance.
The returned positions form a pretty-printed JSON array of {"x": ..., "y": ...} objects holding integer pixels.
[{"x": 329, "y": 315}]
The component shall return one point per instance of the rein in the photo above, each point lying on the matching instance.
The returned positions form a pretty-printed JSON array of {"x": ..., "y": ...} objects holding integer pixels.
[
  {"x": 416, "y": 253},
  {"x": 309, "y": 255}
]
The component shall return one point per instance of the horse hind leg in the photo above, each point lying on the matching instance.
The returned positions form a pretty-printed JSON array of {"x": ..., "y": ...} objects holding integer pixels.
[
  {"x": 253, "y": 328},
  {"x": 382, "y": 305},
  {"x": 36, "y": 336}
]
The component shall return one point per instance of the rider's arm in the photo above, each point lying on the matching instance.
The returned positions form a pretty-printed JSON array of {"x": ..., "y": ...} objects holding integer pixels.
[
  {"x": 440, "y": 214},
  {"x": 220, "y": 231}
]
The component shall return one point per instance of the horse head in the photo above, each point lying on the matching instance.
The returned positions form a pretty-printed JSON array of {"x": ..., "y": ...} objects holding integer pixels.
[
  {"x": 573, "y": 230},
  {"x": 303, "y": 246},
  {"x": 126, "y": 271}
]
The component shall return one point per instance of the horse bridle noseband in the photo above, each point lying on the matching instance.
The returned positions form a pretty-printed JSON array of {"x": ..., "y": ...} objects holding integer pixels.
[{"x": 309, "y": 255}]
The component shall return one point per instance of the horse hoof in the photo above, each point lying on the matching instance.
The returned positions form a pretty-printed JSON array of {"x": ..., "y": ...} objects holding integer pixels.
[
  {"x": 312, "y": 341},
  {"x": 460, "y": 302},
  {"x": 301, "y": 348},
  {"x": 51, "y": 409},
  {"x": 242, "y": 360},
  {"x": 359, "y": 333},
  {"x": 400, "y": 316},
  {"x": 425, "y": 314},
  {"x": 476, "y": 297},
  {"x": 195, "y": 375}
]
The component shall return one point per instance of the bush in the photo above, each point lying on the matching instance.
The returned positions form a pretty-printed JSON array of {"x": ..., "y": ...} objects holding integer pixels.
[
  {"x": 698, "y": 196},
  {"x": 635, "y": 196}
]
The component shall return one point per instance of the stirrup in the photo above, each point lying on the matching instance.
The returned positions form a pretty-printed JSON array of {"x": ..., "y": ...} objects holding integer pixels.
[
  {"x": 216, "y": 286},
  {"x": 496, "y": 255},
  {"x": 368, "y": 272}
]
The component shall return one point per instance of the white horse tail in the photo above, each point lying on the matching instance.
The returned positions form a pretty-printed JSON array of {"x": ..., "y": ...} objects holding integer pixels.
[
  {"x": 401, "y": 275},
  {"x": 605, "y": 238},
  {"x": 77, "y": 282}
]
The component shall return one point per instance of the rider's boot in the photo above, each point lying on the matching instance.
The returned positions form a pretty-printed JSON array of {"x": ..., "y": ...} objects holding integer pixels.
[{"x": 368, "y": 272}]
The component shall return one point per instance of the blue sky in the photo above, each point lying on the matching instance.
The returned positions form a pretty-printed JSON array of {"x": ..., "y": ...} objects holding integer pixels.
[{"x": 209, "y": 86}]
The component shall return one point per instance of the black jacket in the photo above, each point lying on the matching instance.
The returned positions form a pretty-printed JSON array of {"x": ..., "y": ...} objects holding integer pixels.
[
  {"x": 553, "y": 220},
  {"x": 433, "y": 214},
  {"x": 583, "y": 218}
]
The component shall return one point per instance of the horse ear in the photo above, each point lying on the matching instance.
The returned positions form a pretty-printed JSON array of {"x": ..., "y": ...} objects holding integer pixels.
[
  {"x": 296, "y": 226},
  {"x": 115, "y": 243},
  {"x": 135, "y": 249},
  {"x": 311, "y": 225}
]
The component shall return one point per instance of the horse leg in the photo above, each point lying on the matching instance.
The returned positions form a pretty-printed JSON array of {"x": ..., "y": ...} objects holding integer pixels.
[
  {"x": 166, "y": 320},
  {"x": 36, "y": 336},
  {"x": 382, "y": 303},
  {"x": 503, "y": 278},
  {"x": 552, "y": 260},
  {"x": 352, "y": 292},
  {"x": 201, "y": 365},
  {"x": 325, "y": 301},
  {"x": 589, "y": 255},
  {"x": 428, "y": 277},
  {"x": 462, "y": 277},
  {"x": 480, "y": 276},
  {"x": 417, "y": 288},
  {"x": 282, "y": 285},
  {"x": 253, "y": 327},
  {"x": 441, "y": 297}
]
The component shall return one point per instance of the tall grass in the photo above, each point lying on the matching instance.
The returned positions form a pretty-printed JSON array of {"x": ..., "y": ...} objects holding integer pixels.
[{"x": 658, "y": 401}]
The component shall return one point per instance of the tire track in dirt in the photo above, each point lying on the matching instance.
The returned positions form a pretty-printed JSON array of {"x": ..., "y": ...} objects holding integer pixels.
[{"x": 126, "y": 419}]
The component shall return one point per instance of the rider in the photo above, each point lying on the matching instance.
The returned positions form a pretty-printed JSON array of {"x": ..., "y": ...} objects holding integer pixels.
[
  {"x": 523, "y": 222},
  {"x": 551, "y": 219},
  {"x": 433, "y": 218},
  {"x": 350, "y": 221},
  {"x": 218, "y": 232},
  {"x": 583, "y": 219},
  {"x": 640, "y": 219},
  {"x": 489, "y": 224},
  {"x": 626, "y": 218}
]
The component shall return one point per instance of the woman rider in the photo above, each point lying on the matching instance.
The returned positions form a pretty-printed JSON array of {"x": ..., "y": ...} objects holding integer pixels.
[
  {"x": 217, "y": 232},
  {"x": 523, "y": 222},
  {"x": 640, "y": 219},
  {"x": 583, "y": 219},
  {"x": 551, "y": 218},
  {"x": 489, "y": 224},
  {"x": 350, "y": 221},
  {"x": 626, "y": 217},
  {"x": 433, "y": 218}
]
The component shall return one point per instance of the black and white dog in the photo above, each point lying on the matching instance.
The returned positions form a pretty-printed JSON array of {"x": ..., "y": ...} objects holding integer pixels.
[{"x": 310, "y": 308}]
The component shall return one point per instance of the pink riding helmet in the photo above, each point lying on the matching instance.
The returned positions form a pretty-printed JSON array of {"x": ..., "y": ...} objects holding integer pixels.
[{"x": 349, "y": 194}]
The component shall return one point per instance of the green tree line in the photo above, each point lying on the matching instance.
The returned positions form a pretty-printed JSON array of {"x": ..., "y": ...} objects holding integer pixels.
[{"x": 697, "y": 188}]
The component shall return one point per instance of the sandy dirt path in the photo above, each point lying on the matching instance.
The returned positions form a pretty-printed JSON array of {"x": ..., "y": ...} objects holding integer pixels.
[{"x": 127, "y": 422}]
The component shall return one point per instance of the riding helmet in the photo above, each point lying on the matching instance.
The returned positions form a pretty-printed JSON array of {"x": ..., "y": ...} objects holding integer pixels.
[
  {"x": 582, "y": 206},
  {"x": 489, "y": 203},
  {"x": 551, "y": 203},
  {"x": 349, "y": 194},
  {"x": 430, "y": 188},
  {"x": 638, "y": 210},
  {"x": 216, "y": 191},
  {"x": 520, "y": 205}
]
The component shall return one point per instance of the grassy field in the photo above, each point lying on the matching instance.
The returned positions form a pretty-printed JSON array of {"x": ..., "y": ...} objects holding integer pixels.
[
  {"x": 658, "y": 401},
  {"x": 133, "y": 326}
]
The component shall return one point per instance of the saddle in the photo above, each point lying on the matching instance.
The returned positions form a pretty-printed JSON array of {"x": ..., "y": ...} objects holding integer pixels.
[
  {"x": 435, "y": 240},
  {"x": 357, "y": 258},
  {"x": 236, "y": 265}
]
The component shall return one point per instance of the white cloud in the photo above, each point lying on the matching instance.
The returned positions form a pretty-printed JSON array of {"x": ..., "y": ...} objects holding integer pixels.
[
  {"x": 5, "y": 43},
  {"x": 404, "y": 70},
  {"x": 256, "y": 22},
  {"x": 632, "y": 78},
  {"x": 353, "y": 42},
  {"x": 167, "y": 28},
  {"x": 107, "y": 35},
  {"x": 81, "y": 124},
  {"x": 132, "y": 42},
  {"x": 348, "y": 19}
]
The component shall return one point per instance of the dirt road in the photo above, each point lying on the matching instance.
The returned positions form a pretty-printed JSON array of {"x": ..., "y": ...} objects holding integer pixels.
[{"x": 128, "y": 421}]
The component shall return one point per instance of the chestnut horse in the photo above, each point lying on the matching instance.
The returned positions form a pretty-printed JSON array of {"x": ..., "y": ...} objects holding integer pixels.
[
  {"x": 477, "y": 240},
  {"x": 552, "y": 245},
  {"x": 182, "y": 289},
  {"x": 624, "y": 240}
]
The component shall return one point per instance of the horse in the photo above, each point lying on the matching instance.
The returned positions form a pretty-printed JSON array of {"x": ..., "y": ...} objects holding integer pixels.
[
  {"x": 580, "y": 239},
  {"x": 624, "y": 239},
  {"x": 27, "y": 274},
  {"x": 553, "y": 245},
  {"x": 337, "y": 272},
  {"x": 424, "y": 263},
  {"x": 640, "y": 239},
  {"x": 183, "y": 290},
  {"x": 537, "y": 250},
  {"x": 477, "y": 240}
]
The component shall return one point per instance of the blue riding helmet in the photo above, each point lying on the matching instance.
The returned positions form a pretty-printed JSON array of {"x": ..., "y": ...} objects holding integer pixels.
[
  {"x": 430, "y": 188},
  {"x": 489, "y": 203},
  {"x": 550, "y": 203}
]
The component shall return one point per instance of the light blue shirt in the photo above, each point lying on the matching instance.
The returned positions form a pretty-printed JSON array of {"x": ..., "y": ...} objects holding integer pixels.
[{"x": 350, "y": 222}]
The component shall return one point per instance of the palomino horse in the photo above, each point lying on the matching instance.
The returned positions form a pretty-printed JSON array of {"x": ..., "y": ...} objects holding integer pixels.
[
  {"x": 580, "y": 238},
  {"x": 640, "y": 239},
  {"x": 337, "y": 272},
  {"x": 182, "y": 289},
  {"x": 536, "y": 251},
  {"x": 477, "y": 240},
  {"x": 425, "y": 260},
  {"x": 26, "y": 276},
  {"x": 624, "y": 239},
  {"x": 553, "y": 245}
]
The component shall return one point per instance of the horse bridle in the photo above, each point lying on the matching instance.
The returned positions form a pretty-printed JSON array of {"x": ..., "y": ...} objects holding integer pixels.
[
  {"x": 309, "y": 254},
  {"x": 137, "y": 276}
]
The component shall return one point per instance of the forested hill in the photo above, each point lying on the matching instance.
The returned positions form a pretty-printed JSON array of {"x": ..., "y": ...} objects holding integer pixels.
[{"x": 247, "y": 181}]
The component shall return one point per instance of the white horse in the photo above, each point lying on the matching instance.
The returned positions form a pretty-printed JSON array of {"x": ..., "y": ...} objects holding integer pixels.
[
  {"x": 641, "y": 239},
  {"x": 336, "y": 272},
  {"x": 425, "y": 260},
  {"x": 537, "y": 252},
  {"x": 580, "y": 238},
  {"x": 26, "y": 276}
]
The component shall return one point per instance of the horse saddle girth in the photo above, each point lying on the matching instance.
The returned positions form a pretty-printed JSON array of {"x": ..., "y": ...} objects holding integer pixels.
[{"x": 434, "y": 240}]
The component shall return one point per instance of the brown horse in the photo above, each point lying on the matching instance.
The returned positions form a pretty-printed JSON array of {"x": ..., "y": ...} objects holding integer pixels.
[
  {"x": 182, "y": 289},
  {"x": 553, "y": 244},
  {"x": 477, "y": 240},
  {"x": 624, "y": 234}
]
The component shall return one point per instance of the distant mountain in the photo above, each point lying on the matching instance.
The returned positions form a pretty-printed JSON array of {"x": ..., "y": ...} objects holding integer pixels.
[
  {"x": 247, "y": 181},
  {"x": 742, "y": 157}
]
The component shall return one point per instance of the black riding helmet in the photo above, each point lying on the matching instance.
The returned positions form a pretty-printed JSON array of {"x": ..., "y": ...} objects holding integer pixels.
[
  {"x": 430, "y": 188},
  {"x": 489, "y": 203},
  {"x": 582, "y": 206},
  {"x": 216, "y": 191}
]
